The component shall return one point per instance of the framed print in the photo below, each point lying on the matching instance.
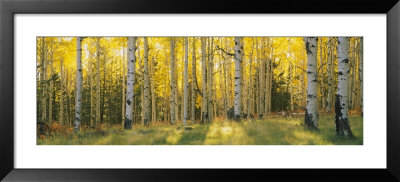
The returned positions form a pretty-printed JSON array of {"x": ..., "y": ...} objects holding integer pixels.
[{"x": 124, "y": 91}]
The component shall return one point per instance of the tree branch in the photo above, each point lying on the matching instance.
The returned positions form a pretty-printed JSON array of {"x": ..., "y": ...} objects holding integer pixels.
[
  {"x": 227, "y": 53},
  {"x": 297, "y": 66}
]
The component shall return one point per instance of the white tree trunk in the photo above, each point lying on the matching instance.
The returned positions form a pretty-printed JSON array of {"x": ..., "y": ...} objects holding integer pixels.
[
  {"x": 238, "y": 78},
  {"x": 153, "y": 97},
  {"x": 78, "y": 96},
  {"x": 261, "y": 77},
  {"x": 51, "y": 86},
  {"x": 185, "y": 89},
  {"x": 43, "y": 78},
  {"x": 61, "y": 117},
  {"x": 210, "y": 81},
  {"x": 98, "y": 94},
  {"x": 90, "y": 75},
  {"x": 130, "y": 82},
  {"x": 194, "y": 81},
  {"x": 146, "y": 83},
  {"x": 204, "y": 116},
  {"x": 311, "y": 115},
  {"x": 266, "y": 60},
  {"x": 341, "y": 104},
  {"x": 173, "y": 81}
]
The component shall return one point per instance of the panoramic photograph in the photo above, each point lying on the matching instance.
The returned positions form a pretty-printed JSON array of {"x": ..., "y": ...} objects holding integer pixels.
[{"x": 199, "y": 90}]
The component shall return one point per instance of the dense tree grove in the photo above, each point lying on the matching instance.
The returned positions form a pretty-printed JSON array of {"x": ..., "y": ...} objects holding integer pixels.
[{"x": 127, "y": 81}]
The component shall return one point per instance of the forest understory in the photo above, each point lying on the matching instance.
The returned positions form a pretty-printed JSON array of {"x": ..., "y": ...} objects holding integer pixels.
[{"x": 274, "y": 130}]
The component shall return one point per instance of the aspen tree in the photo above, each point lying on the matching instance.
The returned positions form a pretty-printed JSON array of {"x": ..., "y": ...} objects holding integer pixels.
[
  {"x": 311, "y": 115},
  {"x": 43, "y": 78},
  {"x": 51, "y": 84},
  {"x": 341, "y": 104},
  {"x": 130, "y": 82},
  {"x": 124, "y": 60},
  {"x": 98, "y": 85},
  {"x": 261, "y": 78},
  {"x": 153, "y": 97},
  {"x": 91, "y": 88},
  {"x": 204, "y": 117},
  {"x": 267, "y": 77},
  {"x": 210, "y": 83},
  {"x": 61, "y": 113},
  {"x": 185, "y": 102},
  {"x": 78, "y": 96},
  {"x": 238, "y": 78},
  {"x": 146, "y": 107},
  {"x": 194, "y": 81},
  {"x": 173, "y": 97}
]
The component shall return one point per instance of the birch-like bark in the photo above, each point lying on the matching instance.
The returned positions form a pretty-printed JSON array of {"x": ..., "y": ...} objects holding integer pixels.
[
  {"x": 146, "y": 83},
  {"x": 238, "y": 78},
  {"x": 173, "y": 97},
  {"x": 185, "y": 89},
  {"x": 210, "y": 81},
  {"x": 153, "y": 97},
  {"x": 194, "y": 81},
  {"x": 270, "y": 73},
  {"x": 61, "y": 114},
  {"x": 311, "y": 115},
  {"x": 51, "y": 85},
  {"x": 98, "y": 113},
  {"x": 141, "y": 82},
  {"x": 78, "y": 96},
  {"x": 266, "y": 60},
  {"x": 204, "y": 116},
  {"x": 130, "y": 82},
  {"x": 90, "y": 75},
  {"x": 361, "y": 74},
  {"x": 43, "y": 80},
  {"x": 341, "y": 104},
  {"x": 261, "y": 77}
]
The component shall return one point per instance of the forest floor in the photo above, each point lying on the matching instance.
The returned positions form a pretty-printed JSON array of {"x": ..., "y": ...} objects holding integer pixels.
[{"x": 269, "y": 131}]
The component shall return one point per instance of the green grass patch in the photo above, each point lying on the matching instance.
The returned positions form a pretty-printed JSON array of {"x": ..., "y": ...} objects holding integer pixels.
[{"x": 269, "y": 131}]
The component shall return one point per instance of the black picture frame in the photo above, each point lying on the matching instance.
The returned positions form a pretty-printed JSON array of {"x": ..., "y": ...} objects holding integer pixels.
[{"x": 9, "y": 8}]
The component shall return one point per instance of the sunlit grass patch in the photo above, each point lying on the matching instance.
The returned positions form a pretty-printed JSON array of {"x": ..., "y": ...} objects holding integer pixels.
[{"x": 268, "y": 131}]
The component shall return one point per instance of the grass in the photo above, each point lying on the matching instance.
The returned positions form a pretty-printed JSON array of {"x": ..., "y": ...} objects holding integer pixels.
[{"x": 269, "y": 131}]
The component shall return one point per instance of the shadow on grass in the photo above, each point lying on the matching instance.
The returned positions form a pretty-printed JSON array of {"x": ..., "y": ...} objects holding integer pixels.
[
  {"x": 196, "y": 136},
  {"x": 326, "y": 135},
  {"x": 280, "y": 131}
]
